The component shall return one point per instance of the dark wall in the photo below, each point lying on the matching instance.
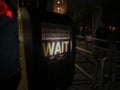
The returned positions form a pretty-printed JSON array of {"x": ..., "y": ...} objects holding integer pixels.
[{"x": 111, "y": 12}]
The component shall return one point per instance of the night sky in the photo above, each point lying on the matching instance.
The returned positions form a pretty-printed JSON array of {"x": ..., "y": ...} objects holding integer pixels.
[
  {"x": 111, "y": 10},
  {"x": 72, "y": 4},
  {"x": 78, "y": 3}
]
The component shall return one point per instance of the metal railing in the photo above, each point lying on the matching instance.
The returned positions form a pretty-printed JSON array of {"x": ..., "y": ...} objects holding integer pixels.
[{"x": 102, "y": 55}]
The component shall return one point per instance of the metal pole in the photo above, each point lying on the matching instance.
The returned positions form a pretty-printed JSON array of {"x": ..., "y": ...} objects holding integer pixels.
[{"x": 102, "y": 73}]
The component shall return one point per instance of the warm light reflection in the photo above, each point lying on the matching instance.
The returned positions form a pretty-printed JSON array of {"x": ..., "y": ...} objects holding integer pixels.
[
  {"x": 112, "y": 28},
  {"x": 60, "y": 6},
  {"x": 58, "y": 2}
]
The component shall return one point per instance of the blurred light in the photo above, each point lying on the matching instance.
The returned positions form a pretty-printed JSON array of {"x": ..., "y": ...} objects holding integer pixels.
[
  {"x": 60, "y": 6},
  {"x": 5, "y": 10},
  {"x": 113, "y": 29},
  {"x": 9, "y": 14},
  {"x": 110, "y": 27},
  {"x": 58, "y": 2}
]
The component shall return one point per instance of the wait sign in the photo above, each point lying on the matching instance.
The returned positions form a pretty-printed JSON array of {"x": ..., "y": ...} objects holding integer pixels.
[{"x": 56, "y": 40}]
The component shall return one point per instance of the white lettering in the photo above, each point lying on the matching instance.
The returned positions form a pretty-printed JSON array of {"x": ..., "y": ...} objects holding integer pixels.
[{"x": 54, "y": 48}]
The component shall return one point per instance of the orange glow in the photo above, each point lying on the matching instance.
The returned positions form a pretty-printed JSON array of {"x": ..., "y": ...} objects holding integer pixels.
[
  {"x": 60, "y": 6},
  {"x": 113, "y": 29}
]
